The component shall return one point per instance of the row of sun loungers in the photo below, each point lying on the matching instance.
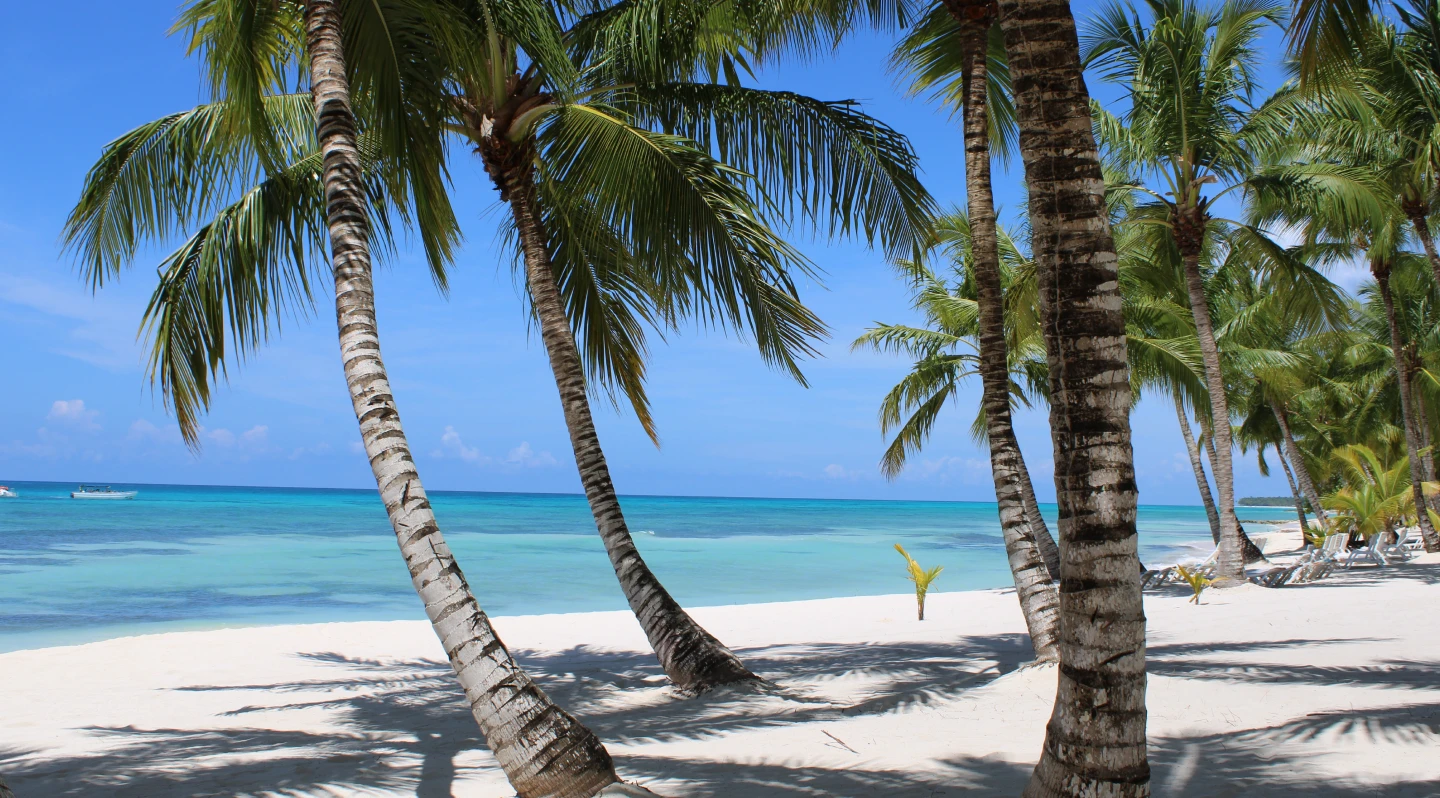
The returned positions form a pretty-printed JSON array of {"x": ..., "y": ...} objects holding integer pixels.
[{"x": 1315, "y": 564}]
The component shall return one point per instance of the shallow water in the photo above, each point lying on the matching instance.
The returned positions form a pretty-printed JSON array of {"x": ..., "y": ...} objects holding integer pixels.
[{"x": 185, "y": 557}]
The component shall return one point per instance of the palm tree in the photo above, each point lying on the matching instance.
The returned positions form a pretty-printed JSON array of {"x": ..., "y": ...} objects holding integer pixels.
[
  {"x": 1340, "y": 127},
  {"x": 568, "y": 146},
  {"x": 543, "y": 750},
  {"x": 967, "y": 30},
  {"x": 1189, "y": 75},
  {"x": 954, "y": 322},
  {"x": 618, "y": 226},
  {"x": 1095, "y": 741},
  {"x": 1377, "y": 496}
]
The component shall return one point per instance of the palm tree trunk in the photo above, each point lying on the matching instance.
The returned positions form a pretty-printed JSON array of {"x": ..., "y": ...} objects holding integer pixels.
[
  {"x": 1232, "y": 550},
  {"x": 1248, "y": 550},
  {"x": 1294, "y": 491},
  {"x": 1422, "y": 426},
  {"x": 1381, "y": 271},
  {"x": 1302, "y": 471},
  {"x": 543, "y": 750},
  {"x": 693, "y": 659},
  {"x": 1049, "y": 551},
  {"x": 1039, "y": 600},
  {"x": 1422, "y": 232},
  {"x": 1095, "y": 741},
  {"x": 1198, "y": 467}
]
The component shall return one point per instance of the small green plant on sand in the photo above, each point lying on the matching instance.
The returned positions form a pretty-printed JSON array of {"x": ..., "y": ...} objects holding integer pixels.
[
  {"x": 921, "y": 577},
  {"x": 1196, "y": 580}
]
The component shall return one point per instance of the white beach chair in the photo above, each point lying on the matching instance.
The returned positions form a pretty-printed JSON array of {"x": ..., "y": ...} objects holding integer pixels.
[
  {"x": 1401, "y": 548},
  {"x": 1371, "y": 552}
]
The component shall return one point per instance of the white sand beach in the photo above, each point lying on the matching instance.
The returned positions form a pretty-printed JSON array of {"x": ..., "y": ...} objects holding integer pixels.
[{"x": 1325, "y": 689}]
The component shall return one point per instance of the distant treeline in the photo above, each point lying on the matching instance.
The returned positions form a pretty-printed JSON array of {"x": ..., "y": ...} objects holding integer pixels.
[{"x": 1268, "y": 501}]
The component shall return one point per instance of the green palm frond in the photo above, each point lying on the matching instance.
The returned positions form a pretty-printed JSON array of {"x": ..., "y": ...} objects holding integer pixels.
[
  {"x": 848, "y": 172},
  {"x": 159, "y": 179},
  {"x": 930, "y": 55},
  {"x": 691, "y": 218}
]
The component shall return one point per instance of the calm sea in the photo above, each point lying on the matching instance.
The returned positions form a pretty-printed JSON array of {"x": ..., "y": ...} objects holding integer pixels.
[{"x": 188, "y": 557}]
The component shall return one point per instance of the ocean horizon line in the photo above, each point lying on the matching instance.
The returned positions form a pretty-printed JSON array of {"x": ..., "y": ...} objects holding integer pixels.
[{"x": 567, "y": 494}]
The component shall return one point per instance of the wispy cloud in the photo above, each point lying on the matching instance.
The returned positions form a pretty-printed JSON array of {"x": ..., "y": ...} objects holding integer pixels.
[
  {"x": 451, "y": 444},
  {"x": 104, "y": 334},
  {"x": 74, "y": 414},
  {"x": 526, "y": 457},
  {"x": 142, "y": 430}
]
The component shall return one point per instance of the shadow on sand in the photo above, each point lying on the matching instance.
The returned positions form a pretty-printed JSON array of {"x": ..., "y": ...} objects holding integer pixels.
[{"x": 405, "y": 730}]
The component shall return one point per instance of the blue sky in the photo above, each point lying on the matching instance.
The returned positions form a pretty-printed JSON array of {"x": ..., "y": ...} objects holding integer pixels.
[{"x": 472, "y": 383}]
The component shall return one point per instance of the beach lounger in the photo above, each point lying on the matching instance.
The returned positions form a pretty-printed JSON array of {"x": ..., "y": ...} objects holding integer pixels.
[
  {"x": 1371, "y": 552},
  {"x": 1400, "y": 549},
  {"x": 1278, "y": 576}
]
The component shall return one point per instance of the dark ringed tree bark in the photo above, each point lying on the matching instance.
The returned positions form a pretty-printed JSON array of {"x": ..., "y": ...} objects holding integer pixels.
[
  {"x": 692, "y": 658},
  {"x": 1039, "y": 601},
  {"x": 1095, "y": 741},
  {"x": 544, "y": 751}
]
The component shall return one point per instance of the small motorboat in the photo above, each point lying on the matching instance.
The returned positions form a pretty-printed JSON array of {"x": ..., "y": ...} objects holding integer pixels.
[
  {"x": 7, "y": 493},
  {"x": 100, "y": 492}
]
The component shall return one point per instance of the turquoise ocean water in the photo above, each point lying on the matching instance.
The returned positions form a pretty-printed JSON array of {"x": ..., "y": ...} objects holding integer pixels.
[{"x": 188, "y": 557}]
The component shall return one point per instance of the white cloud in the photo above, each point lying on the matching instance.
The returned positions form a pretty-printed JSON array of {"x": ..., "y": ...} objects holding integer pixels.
[
  {"x": 837, "y": 471},
  {"x": 357, "y": 447},
  {"x": 142, "y": 430},
  {"x": 255, "y": 436},
  {"x": 527, "y": 457},
  {"x": 73, "y": 413},
  {"x": 455, "y": 446},
  {"x": 221, "y": 436}
]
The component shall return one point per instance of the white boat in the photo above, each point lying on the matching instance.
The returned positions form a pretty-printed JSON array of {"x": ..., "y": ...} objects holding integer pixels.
[
  {"x": 7, "y": 493},
  {"x": 100, "y": 492}
]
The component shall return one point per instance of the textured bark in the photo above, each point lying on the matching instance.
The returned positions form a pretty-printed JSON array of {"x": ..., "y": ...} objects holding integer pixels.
[
  {"x": 544, "y": 751},
  {"x": 693, "y": 659},
  {"x": 1049, "y": 550},
  {"x": 1418, "y": 213},
  {"x": 1039, "y": 601},
  {"x": 1381, "y": 271},
  {"x": 1248, "y": 550},
  {"x": 1095, "y": 740},
  {"x": 1297, "y": 461},
  {"x": 1198, "y": 467},
  {"x": 5, "y": 790},
  {"x": 1422, "y": 425},
  {"x": 1294, "y": 491},
  {"x": 1231, "y": 562}
]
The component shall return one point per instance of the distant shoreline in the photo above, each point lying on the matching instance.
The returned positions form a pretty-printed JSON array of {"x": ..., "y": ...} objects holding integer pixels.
[{"x": 570, "y": 495}]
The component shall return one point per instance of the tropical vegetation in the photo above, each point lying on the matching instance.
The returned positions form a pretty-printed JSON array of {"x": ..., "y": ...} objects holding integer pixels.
[{"x": 1176, "y": 245}]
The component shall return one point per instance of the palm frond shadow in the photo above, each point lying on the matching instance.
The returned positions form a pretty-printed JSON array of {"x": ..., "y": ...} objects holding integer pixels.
[
  {"x": 1280, "y": 759},
  {"x": 404, "y": 722}
]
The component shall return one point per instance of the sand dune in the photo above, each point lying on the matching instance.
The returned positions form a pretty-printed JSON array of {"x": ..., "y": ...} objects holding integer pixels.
[{"x": 1330, "y": 689}]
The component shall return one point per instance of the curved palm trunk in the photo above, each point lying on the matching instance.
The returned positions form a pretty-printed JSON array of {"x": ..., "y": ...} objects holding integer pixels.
[
  {"x": 1049, "y": 551},
  {"x": 1039, "y": 600},
  {"x": 693, "y": 659},
  {"x": 1294, "y": 492},
  {"x": 1231, "y": 562},
  {"x": 1211, "y": 514},
  {"x": 1422, "y": 232},
  {"x": 1381, "y": 271},
  {"x": 1422, "y": 424},
  {"x": 1095, "y": 741},
  {"x": 544, "y": 751},
  {"x": 1248, "y": 550},
  {"x": 1297, "y": 460}
]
